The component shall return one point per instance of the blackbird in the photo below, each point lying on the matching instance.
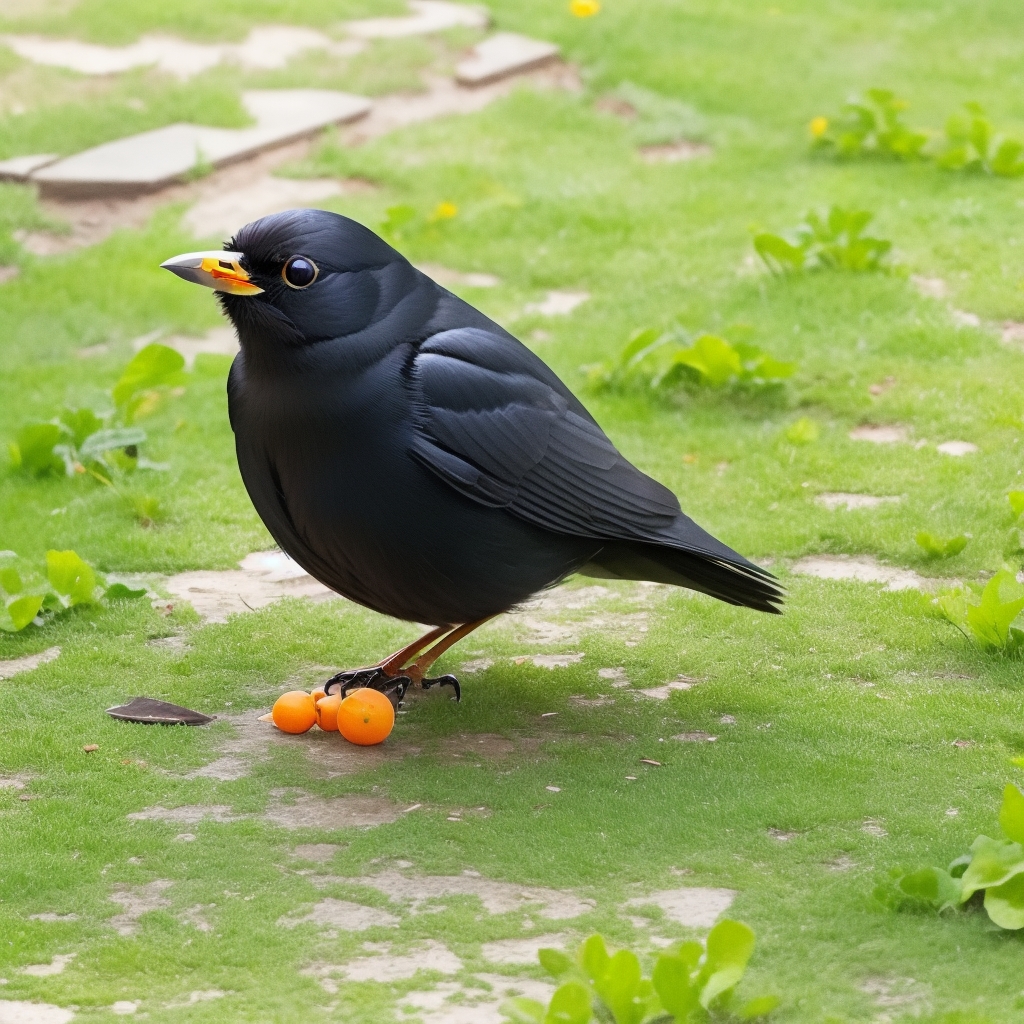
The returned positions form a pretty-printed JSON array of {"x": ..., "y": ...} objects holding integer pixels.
[{"x": 415, "y": 457}]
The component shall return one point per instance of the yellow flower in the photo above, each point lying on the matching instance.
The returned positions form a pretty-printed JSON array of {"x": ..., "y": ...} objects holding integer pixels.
[
  {"x": 818, "y": 126},
  {"x": 584, "y": 8},
  {"x": 444, "y": 211}
]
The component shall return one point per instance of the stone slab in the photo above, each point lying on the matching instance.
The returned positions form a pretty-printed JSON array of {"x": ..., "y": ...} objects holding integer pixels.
[
  {"x": 501, "y": 55},
  {"x": 151, "y": 160},
  {"x": 428, "y": 16},
  {"x": 20, "y": 167}
]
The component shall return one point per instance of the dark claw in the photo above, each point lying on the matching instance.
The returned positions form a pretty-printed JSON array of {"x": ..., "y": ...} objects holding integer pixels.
[
  {"x": 444, "y": 681},
  {"x": 393, "y": 687}
]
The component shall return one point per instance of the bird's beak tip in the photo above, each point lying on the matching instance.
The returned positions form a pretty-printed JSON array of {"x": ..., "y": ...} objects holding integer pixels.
[{"x": 221, "y": 271}]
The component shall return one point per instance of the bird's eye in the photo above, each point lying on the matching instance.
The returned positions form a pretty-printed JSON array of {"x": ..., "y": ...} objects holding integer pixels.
[{"x": 299, "y": 272}]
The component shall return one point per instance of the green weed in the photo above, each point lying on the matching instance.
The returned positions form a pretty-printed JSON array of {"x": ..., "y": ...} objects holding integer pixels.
[
  {"x": 30, "y": 596},
  {"x": 832, "y": 241},
  {"x": 940, "y": 547},
  {"x": 994, "y": 866},
  {"x": 690, "y": 983},
  {"x": 871, "y": 125},
  {"x": 972, "y": 144},
  {"x": 992, "y": 618}
]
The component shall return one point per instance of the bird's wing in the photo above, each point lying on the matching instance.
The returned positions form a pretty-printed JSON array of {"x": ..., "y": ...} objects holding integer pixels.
[{"x": 497, "y": 425}]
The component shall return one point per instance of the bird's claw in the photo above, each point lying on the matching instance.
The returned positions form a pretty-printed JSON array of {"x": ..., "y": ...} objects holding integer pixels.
[
  {"x": 374, "y": 678},
  {"x": 449, "y": 680}
]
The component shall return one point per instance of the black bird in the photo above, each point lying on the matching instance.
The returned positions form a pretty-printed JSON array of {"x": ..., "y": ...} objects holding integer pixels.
[{"x": 415, "y": 457}]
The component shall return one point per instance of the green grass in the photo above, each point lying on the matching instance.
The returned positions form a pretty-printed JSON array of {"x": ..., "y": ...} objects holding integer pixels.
[{"x": 846, "y": 708}]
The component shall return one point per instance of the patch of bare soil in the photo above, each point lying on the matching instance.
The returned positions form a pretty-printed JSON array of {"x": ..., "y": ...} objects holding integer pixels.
[
  {"x": 136, "y": 901},
  {"x": 863, "y": 569},
  {"x": 195, "y": 916},
  {"x": 521, "y": 951},
  {"x": 893, "y": 434},
  {"x": 295, "y": 809},
  {"x": 663, "y": 692},
  {"x": 342, "y": 915},
  {"x": 53, "y": 918},
  {"x": 852, "y": 502},
  {"x": 384, "y": 966},
  {"x": 224, "y": 769},
  {"x": 674, "y": 152},
  {"x": 453, "y": 1003},
  {"x": 693, "y": 907},
  {"x": 15, "y": 666},
  {"x": 17, "y": 1011},
  {"x": 187, "y": 814},
  {"x": 448, "y": 278},
  {"x": 497, "y": 897},
  {"x": 486, "y": 746},
  {"x": 55, "y": 966},
  {"x": 901, "y": 995},
  {"x": 318, "y": 853}
]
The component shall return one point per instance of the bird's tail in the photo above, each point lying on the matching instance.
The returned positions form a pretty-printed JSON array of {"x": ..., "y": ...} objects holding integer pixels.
[{"x": 719, "y": 572}]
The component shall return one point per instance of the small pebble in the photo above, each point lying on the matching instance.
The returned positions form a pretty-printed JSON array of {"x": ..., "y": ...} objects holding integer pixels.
[
  {"x": 553, "y": 789},
  {"x": 90, "y": 747}
]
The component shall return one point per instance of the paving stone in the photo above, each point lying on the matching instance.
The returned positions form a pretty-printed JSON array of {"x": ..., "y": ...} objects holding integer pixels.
[
  {"x": 267, "y": 46},
  {"x": 9, "y": 669},
  {"x": 957, "y": 448},
  {"x": 428, "y": 16},
  {"x": 20, "y": 167},
  {"x": 503, "y": 54},
  {"x": 151, "y": 160}
]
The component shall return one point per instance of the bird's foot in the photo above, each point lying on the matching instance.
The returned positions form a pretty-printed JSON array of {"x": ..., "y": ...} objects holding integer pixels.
[
  {"x": 373, "y": 678},
  {"x": 451, "y": 681}
]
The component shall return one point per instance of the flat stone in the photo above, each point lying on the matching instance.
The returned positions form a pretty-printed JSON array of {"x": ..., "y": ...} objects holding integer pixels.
[
  {"x": 342, "y": 915},
  {"x": 521, "y": 951},
  {"x": 19, "y": 168},
  {"x": 447, "y": 278},
  {"x": 692, "y": 907},
  {"x": 9, "y": 669},
  {"x": 861, "y": 568},
  {"x": 428, "y": 16},
  {"x": 267, "y": 46},
  {"x": 558, "y": 303},
  {"x": 956, "y": 448},
  {"x": 505, "y": 53},
  {"x": 879, "y": 434},
  {"x": 223, "y": 215},
  {"x": 154, "y": 159},
  {"x": 16, "y": 1011},
  {"x": 852, "y": 502}
]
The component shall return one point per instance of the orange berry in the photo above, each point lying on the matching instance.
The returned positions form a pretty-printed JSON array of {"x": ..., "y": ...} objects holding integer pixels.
[
  {"x": 327, "y": 712},
  {"x": 366, "y": 717},
  {"x": 317, "y": 692},
  {"x": 294, "y": 711}
]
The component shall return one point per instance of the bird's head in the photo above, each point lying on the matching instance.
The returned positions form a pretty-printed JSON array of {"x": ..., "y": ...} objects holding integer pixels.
[{"x": 298, "y": 277}]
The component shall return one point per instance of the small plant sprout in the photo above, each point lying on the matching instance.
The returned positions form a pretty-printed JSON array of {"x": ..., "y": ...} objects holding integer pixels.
[
  {"x": 662, "y": 361},
  {"x": 993, "y": 866},
  {"x": 102, "y": 444},
  {"x": 802, "y": 431},
  {"x": 869, "y": 126},
  {"x": 690, "y": 983},
  {"x": 992, "y": 619},
  {"x": 972, "y": 144},
  {"x": 941, "y": 547},
  {"x": 30, "y": 596},
  {"x": 1016, "y": 500},
  {"x": 831, "y": 241}
]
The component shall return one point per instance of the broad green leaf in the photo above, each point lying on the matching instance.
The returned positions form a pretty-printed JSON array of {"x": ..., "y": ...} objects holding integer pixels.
[
  {"x": 1006, "y": 162},
  {"x": 10, "y": 580},
  {"x": 23, "y": 610},
  {"x": 1005, "y": 903},
  {"x": 720, "y": 983},
  {"x": 121, "y": 592},
  {"x": 995, "y": 862},
  {"x": 34, "y": 448},
  {"x": 108, "y": 440},
  {"x": 759, "y": 1007},
  {"x": 729, "y": 944},
  {"x": 569, "y": 1005},
  {"x": 803, "y": 431},
  {"x": 674, "y": 985},
  {"x": 771, "y": 369},
  {"x": 940, "y": 547},
  {"x": 958, "y": 866},
  {"x": 81, "y": 423},
  {"x": 713, "y": 358},
  {"x": 619, "y": 987},
  {"x": 1016, "y": 499},
  {"x": 777, "y": 254},
  {"x": 1011, "y": 816},
  {"x": 555, "y": 962},
  {"x": 71, "y": 576},
  {"x": 990, "y": 620},
  {"x": 593, "y": 957},
  {"x": 640, "y": 344},
  {"x": 152, "y": 366},
  {"x": 523, "y": 1011},
  {"x": 932, "y": 885}
]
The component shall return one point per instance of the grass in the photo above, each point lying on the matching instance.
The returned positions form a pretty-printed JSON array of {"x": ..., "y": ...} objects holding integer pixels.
[{"x": 846, "y": 708}]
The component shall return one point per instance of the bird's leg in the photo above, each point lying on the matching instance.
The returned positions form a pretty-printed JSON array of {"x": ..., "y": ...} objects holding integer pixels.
[{"x": 418, "y": 669}]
